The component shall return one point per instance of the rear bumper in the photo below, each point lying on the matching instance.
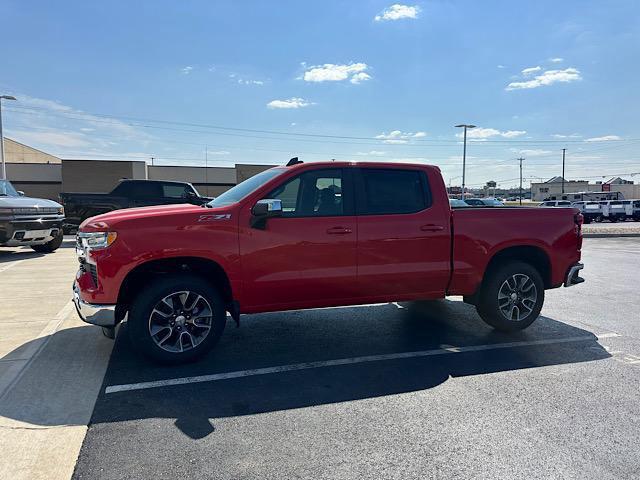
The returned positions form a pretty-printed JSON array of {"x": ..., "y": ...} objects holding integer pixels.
[
  {"x": 573, "y": 277},
  {"x": 101, "y": 315}
]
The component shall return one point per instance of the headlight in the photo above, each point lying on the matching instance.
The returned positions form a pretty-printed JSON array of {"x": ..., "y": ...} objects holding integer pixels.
[
  {"x": 97, "y": 240},
  {"x": 61, "y": 211}
]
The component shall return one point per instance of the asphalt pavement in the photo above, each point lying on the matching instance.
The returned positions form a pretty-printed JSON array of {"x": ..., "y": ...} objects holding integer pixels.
[{"x": 411, "y": 390}]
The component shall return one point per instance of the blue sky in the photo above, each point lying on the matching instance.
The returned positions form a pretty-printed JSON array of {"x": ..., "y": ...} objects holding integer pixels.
[{"x": 368, "y": 79}]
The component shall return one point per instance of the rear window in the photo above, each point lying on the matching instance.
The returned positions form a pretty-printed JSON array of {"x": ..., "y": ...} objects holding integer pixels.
[{"x": 389, "y": 191}]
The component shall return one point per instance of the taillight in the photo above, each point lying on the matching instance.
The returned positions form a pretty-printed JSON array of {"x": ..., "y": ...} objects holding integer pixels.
[{"x": 578, "y": 219}]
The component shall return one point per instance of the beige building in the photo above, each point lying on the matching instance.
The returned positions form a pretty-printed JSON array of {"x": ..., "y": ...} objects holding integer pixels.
[
  {"x": 39, "y": 174},
  {"x": 553, "y": 189}
]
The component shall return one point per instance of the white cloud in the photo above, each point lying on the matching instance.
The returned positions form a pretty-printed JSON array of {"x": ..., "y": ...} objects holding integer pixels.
[
  {"x": 330, "y": 72},
  {"x": 559, "y": 135},
  {"x": 397, "y": 137},
  {"x": 398, "y": 12},
  {"x": 536, "y": 152},
  {"x": 218, "y": 152},
  {"x": 480, "y": 133},
  {"x": 293, "y": 102},
  {"x": 243, "y": 81},
  {"x": 606, "y": 138},
  {"x": 501, "y": 66},
  {"x": 360, "y": 77},
  {"x": 186, "y": 70},
  {"x": 55, "y": 138},
  {"x": 531, "y": 70},
  {"x": 556, "y": 60},
  {"x": 372, "y": 153},
  {"x": 549, "y": 77}
]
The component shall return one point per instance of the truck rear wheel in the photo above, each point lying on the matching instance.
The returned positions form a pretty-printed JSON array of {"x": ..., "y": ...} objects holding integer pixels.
[
  {"x": 177, "y": 319},
  {"x": 511, "y": 297}
]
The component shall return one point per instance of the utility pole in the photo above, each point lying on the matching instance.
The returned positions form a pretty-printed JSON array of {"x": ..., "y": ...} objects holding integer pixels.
[
  {"x": 4, "y": 166},
  {"x": 520, "y": 196},
  {"x": 563, "y": 151},
  {"x": 152, "y": 159},
  {"x": 464, "y": 153}
]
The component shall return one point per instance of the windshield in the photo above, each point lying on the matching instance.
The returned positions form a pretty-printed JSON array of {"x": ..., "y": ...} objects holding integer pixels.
[
  {"x": 493, "y": 202},
  {"x": 243, "y": 189},
  {"x": 7, "y": 190}
]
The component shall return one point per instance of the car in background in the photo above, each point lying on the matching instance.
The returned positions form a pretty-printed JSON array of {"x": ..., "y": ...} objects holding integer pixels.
[
  {"x": 555, "y": 203},
  {"x": 483, "y": 202},
  {"x": 26, "y": 221},
  {"x": 456, "y": 202},
  {"x": 127, "y": 194},
  {"x": 591, "y": 211},
  {"x": 617, "y": 210},
  {"x": 635, "y": 210}
]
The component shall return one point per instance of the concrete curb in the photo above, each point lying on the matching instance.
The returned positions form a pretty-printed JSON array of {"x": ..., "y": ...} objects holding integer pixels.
[{"x": 610, "y": 235}]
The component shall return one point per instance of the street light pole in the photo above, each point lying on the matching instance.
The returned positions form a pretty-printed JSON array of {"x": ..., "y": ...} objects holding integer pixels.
[
  {"x": 464, "y": 154},
  {"x": 4, "y": 167},
  {"x": 520, "y": 196},
  {"x": 563, "y": 150}
]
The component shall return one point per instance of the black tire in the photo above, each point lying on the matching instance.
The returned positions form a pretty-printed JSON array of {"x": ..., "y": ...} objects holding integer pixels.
[
  {"x": 50, "y": 246},
  {"x": 142, "y": 308},
  {"x": 489, "y": 304},
  {"x": 613, "y": 219}
]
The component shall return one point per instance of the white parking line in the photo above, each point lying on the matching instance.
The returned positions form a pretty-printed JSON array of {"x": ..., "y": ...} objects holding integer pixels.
[
  {"x": 343, "y": 361},
  {"x": 11, "y": 265}
]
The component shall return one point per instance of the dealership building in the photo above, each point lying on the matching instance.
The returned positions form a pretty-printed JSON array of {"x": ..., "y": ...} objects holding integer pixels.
[
  {"x": 557, "y": 189},
  {"x": 43, "y": 175}
]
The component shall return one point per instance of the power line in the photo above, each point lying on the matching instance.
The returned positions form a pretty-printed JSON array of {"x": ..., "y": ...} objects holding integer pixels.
[{"x": 83, "y": 116}]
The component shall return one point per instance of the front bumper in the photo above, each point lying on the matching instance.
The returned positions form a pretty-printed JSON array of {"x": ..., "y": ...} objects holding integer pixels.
[
  {"x": 101, "y": 315},
  {"x": 573, "y": 277},
  {"x": 15, "y": 232}
]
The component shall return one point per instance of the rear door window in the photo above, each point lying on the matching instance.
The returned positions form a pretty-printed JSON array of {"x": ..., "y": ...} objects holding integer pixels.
[{"x": 391, "y": 191}]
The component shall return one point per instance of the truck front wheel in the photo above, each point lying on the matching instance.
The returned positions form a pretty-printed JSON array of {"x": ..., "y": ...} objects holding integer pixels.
[
  {"x": 50, "y": 246},
  {"x": 177, "y": 319},
  {"x": 511, "y": 297}
]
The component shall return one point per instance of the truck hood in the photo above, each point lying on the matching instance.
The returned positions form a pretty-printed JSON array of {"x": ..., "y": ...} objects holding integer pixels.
[
  {"x": 26, "y": 202},
  {"x": 125, "y": 214}
]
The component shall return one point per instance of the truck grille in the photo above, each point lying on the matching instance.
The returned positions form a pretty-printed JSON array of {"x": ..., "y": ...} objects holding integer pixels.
[{"x": 94, "y": 273}]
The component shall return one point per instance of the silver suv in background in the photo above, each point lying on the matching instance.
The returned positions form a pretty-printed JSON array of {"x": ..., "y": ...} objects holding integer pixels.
[
  {"x": 617, "y": 210},
  {"x": 25, "y": 221},
  {"x": 591, "y": 211}
]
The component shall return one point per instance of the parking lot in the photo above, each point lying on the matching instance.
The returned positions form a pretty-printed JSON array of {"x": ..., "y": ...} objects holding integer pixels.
[{"x": 410, "y": 390}]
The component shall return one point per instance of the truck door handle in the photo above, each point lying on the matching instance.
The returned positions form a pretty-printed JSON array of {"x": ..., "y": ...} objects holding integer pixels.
[
  {"x": 431, "y": 228},
  {"x": 338, "y": 231}
]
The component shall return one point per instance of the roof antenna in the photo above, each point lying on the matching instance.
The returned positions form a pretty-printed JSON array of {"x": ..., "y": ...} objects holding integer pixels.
[{"x": 293, "y": 161}]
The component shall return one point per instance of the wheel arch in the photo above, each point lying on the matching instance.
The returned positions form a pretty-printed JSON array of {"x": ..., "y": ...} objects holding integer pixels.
[
  {"x": 209, "y": 269},
  {"x": 531, "y": 254}
]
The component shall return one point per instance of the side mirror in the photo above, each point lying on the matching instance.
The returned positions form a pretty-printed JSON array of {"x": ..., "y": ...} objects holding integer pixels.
[
  {"x": 21, "y": 193},
  {"x": 263, "y": 209}
]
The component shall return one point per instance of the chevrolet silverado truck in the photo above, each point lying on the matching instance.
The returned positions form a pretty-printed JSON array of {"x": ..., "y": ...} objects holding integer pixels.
[
  {"x": 26, "y": 221},
  {"x": 316, "y": 235},
  {"x": 127, "y": 194}
]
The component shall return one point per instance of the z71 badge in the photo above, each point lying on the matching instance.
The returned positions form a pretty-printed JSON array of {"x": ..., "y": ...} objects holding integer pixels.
[{"x": 214, "y": 217}]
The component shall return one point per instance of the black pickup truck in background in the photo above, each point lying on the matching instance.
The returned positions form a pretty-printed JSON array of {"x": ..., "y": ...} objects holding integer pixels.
[{"x": 127, "y": 194}]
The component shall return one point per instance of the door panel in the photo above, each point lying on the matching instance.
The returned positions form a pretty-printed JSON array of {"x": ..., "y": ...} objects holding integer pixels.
[
  {"x": 402, "y": 254},
  {"x": 307, "y": 257}
]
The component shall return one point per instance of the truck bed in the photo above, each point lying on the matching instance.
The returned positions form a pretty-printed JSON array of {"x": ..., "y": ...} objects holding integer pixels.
[{"x": 479, "y": 232}]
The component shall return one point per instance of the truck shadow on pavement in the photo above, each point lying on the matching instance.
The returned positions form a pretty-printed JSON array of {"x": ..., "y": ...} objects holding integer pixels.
[
  {"x": 12, "y": 254},
  {"x": 283, "y": 338},
  {"x": 275, "y": 339}
]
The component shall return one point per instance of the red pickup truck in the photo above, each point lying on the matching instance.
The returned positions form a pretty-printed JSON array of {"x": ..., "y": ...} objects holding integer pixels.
[{"x": 316, "y": 235}]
